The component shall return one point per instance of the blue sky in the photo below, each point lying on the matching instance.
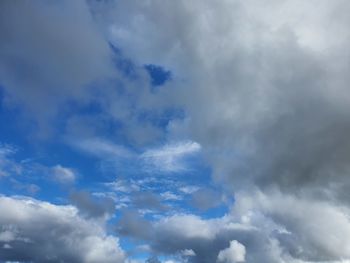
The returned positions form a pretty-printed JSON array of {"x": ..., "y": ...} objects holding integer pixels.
[{"x": 174, "y": 131}]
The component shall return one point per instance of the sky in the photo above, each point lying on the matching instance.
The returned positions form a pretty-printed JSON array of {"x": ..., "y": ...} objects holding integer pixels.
[{"x": 162, "y": 131}]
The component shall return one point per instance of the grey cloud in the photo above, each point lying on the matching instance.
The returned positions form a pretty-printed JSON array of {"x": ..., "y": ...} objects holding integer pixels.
[
  {"x": 272, "y": 227},
  {"x": 35, "y": 231},
  {"x": 206, "y": 238},
  {"x": 131, "y": 224},
  {"x": 265, "y": 88},
  {"x": 316, "y": 230},
  {"x": 206, "y": 198},
  {"x": 153, "y": 260},
  {"x": 271, "y": 102},
  {"x": 92, "y": 206},
  {"x": 49, "y": 51},
  {"x": 148, "y": 200}
]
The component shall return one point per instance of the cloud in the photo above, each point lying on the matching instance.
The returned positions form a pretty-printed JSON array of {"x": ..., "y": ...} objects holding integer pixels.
[
  {"x": 92, "y": 206},
  {"x": 307, "y": 222},
  {"x": 170, "y": 157},
  {"x": 148, "y": 200},
  {"x": 8, "y": 166},
  {"x": 49, "y": 52},
  {"x": 234, "y": 253},
  {"x": 171, "y": 196},
  {"x": 133, "y": 225},
  {"x": 102, "y": 148},
  {"x": 153, "y": 260},
  {"x": 264, "y": 98},
  {"x": 271, "y": 227},
  {"x": 37, "y": 231},
  {"x": 206, "y": 198},
  {"x": 63, "y": 175},
  {"x": 188, "y": 253},
  {"x": 264, "y": 90}
]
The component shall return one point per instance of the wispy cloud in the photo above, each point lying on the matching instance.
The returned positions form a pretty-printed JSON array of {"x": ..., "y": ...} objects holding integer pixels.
[
  {"x": 102, "y": 148},
  {"x": 8, "y": 166},
  {"x": 170, "y": 157},
  {"x": 63, "y": 175}
]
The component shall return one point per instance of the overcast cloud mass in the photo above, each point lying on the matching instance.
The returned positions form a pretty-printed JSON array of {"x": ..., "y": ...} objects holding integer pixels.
[{"x": 187, "y": 131}]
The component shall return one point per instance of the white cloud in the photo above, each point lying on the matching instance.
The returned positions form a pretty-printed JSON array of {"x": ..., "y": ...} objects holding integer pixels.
[
  {"x": 170, "y": 157},
  {"x": 63, "y": 175},
  {"x": 7, "y": 236},
  {"x": 120, "y": 185},
  {"x": 102, "y": 148},
  {"x": 188, "y": 253},
  {"x": 273, "y": 227},
  {"x": 189, "y": 189},
  {"x": 234, "y": 253},
  {"x": 171, "y": 196},
  {"x": 40, "y": 231}
]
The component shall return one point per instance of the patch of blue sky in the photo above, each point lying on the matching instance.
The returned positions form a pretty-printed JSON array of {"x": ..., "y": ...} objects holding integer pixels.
[{"x": 159, "y": 75}]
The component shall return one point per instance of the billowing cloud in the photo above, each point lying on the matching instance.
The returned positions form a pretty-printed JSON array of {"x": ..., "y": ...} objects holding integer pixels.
[
  {"x": 234, "y": 253},
  {"x": 264, "y": 86},
  {"x": 260, "y": 228},
  {"x": 35, "y": 231},
  {"x": 263, "y": 91},
  {"x": 269, "y": 105}
]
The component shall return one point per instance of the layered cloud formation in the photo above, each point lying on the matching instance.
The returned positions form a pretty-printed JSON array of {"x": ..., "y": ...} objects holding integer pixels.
[{"x": 192, "y": 131}]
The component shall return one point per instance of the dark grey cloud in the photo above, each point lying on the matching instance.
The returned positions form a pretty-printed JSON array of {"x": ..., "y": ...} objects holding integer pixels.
[{"x": 35, "y": 231}]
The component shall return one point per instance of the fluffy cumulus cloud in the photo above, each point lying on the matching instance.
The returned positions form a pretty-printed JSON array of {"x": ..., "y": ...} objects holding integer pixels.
[
  {"x": 270, "y": 104},
  {"x": 35, "y": 231},
  {"x": 260, "y": 228},
  {"x": 265, "y": 88},
  {"x": 234, "y": 253}
]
